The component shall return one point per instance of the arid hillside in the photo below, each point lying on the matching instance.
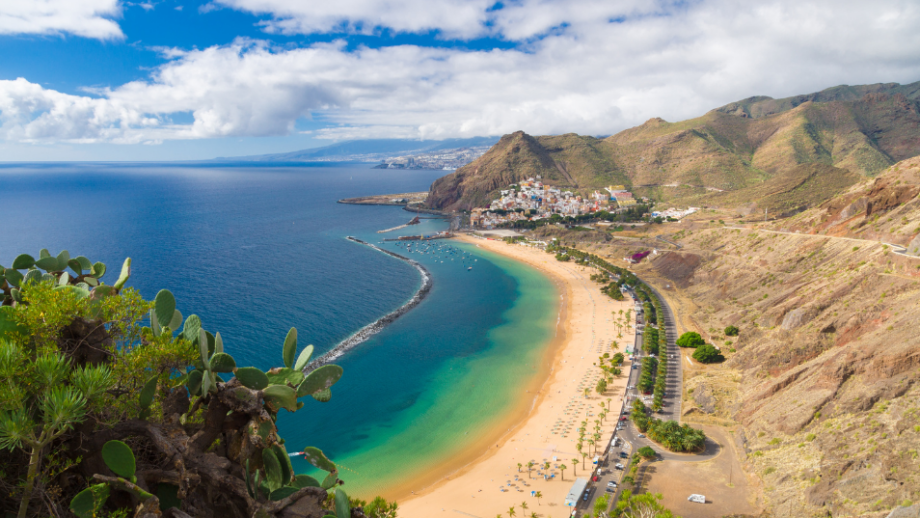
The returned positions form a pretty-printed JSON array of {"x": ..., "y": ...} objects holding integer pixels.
[
  {"x": 821, "y": 386},
  {"x": 733, "y": 149}
]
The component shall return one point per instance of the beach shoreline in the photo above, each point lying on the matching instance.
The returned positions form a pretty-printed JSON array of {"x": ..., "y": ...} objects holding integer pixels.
[
  {"x": 499, "y": 431},
  {"x": 491, "y": 461}
]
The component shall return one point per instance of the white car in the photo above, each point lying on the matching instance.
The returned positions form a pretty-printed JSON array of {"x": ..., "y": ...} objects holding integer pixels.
[{"x": 611, "y": 484}]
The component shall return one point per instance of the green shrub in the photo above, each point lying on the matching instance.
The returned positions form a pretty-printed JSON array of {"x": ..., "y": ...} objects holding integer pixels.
[
  {"x": 706, "y": 353},
  {"x": 646, "y": 452},
  {"x": 731, "y": 331},
  {"x": 690, "y": 339}
]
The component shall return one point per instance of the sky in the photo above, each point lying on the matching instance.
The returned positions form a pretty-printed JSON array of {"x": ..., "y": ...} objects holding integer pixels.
[{"x": 186, "y": 80}]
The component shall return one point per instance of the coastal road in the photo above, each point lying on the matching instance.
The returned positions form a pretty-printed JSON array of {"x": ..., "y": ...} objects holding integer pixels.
[{"x": 627, "y": 440}]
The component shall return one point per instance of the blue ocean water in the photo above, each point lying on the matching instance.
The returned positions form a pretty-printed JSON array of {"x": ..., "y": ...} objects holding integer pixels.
[{"x": 256, "y": 250}]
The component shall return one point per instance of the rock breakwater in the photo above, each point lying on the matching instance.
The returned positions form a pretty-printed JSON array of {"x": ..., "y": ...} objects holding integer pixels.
[{"x": 378, "y": 325}]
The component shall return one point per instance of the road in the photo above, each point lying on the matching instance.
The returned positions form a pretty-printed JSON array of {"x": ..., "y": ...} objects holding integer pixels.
[{"x": 627, "y": 440}]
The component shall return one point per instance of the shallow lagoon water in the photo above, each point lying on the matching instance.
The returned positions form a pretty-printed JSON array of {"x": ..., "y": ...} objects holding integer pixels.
[{"x": 256, "y": 250}]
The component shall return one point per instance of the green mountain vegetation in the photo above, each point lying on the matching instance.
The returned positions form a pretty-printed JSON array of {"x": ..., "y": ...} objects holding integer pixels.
[
  {"x": 103, "y": 416},
  {"x": 754, "y": 149}
]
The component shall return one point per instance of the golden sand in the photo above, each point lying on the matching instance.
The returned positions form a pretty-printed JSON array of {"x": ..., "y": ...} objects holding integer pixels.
[{"x": 485, "y": 480}]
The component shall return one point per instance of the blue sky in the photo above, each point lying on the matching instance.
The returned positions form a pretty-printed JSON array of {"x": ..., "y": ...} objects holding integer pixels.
[{"x": 110, "y": 80}]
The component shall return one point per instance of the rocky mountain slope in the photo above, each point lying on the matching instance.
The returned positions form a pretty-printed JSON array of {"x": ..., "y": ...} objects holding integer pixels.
[
  {"x": 860, "y": 129},
  {"x": 822, "y": 383}
]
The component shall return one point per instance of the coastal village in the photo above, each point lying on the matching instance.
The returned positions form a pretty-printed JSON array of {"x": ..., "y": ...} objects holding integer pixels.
[
  {"x": 532, "y": 200},
  {"x": 446, "y": 160}
]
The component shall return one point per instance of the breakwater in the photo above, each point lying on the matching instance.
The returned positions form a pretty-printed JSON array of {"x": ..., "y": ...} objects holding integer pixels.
[{"x": 378, "y": 325}]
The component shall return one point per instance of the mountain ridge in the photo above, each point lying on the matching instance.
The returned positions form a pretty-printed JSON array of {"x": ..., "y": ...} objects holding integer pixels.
[{"x": 858, "y": 129}]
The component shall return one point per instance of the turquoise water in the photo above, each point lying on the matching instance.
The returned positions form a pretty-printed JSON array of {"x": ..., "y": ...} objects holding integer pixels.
[{"x": 256, "y": 250}]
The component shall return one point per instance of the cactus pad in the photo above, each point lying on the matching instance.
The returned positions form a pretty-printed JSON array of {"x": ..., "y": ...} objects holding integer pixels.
[
  {"x": 49, "y": 264},
  {"x": 280, "y": 396},
  {"x": 322, "y": 378},
  {"x": 317, "y": 458},
  {"x": 303, "y": 358},
  {"x": 290, "y": 348},
  {"x": 13, "y": 276},
  {"x": 125, "y": 274},
  {"x": 272, "y": 470},
  {"x": 323, "y": 396},
  {"x": 222, "y": 362},
  {"x": 287, "y": 470},
  {"x": 176, "y": 320},
  {"x": 23, "y": 261},
  {"x": 302, "y": 481},
  {"x": 119, "y": 458},
  {"x": 89, "y": 502},
  {"x": 191, "y": 328},
  {"x": 342, "y": 506},
  {"x": 165, "y": 305},
  {"x": 194, "y": 382},
  {"x": 148, "y": 392},
  {"x": 284, "y": 375},
  {"x": 252, "y": 378}
]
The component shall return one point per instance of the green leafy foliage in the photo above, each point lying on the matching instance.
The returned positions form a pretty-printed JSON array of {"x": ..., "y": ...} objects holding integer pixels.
[
  {"x": 690, "y": 339},
  {"x": 117, "y": 370},
  {"x": 707, "y": 353},
  {"x": 731, "y": 331}
]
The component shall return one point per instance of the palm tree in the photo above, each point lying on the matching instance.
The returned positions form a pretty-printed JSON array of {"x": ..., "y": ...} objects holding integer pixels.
[
  {"x": 533, "y": 515},
  {"x": 538, "y": 495},
  {"x": 574, "y": 465},
  {"x": 511, "y": 512},
  {"x": 583, "y": 456},
  {"x": 562, "y": 468},
  {"x": 523, "y": 506},
  {"x": 587, "y": 391},
  {"x": 529, "y": 468},
  {"x": 519, "y": 467}
]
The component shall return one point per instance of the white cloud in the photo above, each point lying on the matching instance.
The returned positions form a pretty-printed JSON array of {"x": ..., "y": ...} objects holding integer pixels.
[
  {"x": 87, "y": 18},
  {"x": 592, "y": 77}
]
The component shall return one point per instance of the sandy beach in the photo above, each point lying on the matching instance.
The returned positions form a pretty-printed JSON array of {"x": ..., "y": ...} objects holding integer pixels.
[{"x": 489, "y": 482}]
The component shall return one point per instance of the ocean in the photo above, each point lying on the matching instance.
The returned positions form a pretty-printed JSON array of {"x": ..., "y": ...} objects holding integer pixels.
[{"x": 255, "y": 250}]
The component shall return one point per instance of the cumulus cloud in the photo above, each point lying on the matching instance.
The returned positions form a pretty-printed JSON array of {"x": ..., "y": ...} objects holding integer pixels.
[
  {"x": 87, "y": 18},
  {"x": 590, "y": 72}
]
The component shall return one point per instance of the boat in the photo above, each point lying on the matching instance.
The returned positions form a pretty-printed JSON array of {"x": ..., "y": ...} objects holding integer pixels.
[{"x": 470, "y": 268}]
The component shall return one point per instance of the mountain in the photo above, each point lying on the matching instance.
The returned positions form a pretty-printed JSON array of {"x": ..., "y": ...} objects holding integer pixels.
[
  {"x": 822, "y": 384},
  {"x": 373, "y": 149},
  {"x": 566, "y": 160},
  {"x": 859, "y": 130}
]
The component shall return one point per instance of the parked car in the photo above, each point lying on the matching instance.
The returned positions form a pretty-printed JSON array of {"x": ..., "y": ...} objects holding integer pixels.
[
  {"x": 623, "y": 418},
  {"x": 619, "y": 466},
  {"x": 609, "y": 490},
  {"x": 611, "y": 484},
  {"x": 624, "y": 455},
  {"x": 641, "y": 436}
]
